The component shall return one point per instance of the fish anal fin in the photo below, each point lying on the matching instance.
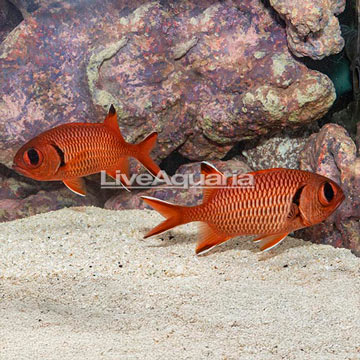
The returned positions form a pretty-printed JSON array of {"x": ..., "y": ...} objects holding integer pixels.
[
  {"x": 77, "y": 185},
  {"x": 268, "y": 241},
  {"x": 212, "y": 177},
  {"x": 112, "y": 123},
  {"x": 208, "y": 238}
]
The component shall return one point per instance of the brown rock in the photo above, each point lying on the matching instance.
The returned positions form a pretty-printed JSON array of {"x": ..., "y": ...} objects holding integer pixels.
[
  {"x": 332, "y": 153},
  {"x": 279, "y": 151},
  {"x": 203, "y": 84},
  {"x": 10, "y": 17},
  {"x": 311, "y": 26},
  {"x": 43, "y": 201}
]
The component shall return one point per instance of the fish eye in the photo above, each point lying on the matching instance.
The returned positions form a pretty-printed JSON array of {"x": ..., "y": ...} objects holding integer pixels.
[
  {"x": 326, "y": 194},
  {"x": 32, "y": 157}
]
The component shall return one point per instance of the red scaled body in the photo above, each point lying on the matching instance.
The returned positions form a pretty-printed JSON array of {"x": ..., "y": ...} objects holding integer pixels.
[
  {"x": 281, "y": 201},
  {"x": 69, "y": 152}
]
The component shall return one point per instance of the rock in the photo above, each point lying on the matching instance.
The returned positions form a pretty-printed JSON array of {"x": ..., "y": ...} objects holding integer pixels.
[
  {"x": 185, "y": 196},
  {"x": 4, "y": 10},
  {"x": 41, "y": 202},
  {"x": 10, "y": 17},
  {"x": 332, "y": 153},
  {"x": 279, "y": 151},
  {"x": 345, "y": 118},
  {"x": 172, "y": 66},
  {"x": 311, "y": 26},
  {"x": 28, "y": 6}
]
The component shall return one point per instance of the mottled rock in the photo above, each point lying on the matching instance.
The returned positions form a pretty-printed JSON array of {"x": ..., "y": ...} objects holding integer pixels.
[
  {"x": 189, "y": 197},
  {"x": 28, "y": 6},
  {"x": 43, "y": 201},
  {"x": 311, "y": 26},
  {"x": 332, "y": 153},
  {"x": 279, "y": 151},
  {"x": 4, "y": 10},
  {"x": 10, "y": 17},
  {"x": 172, "y": 66}
]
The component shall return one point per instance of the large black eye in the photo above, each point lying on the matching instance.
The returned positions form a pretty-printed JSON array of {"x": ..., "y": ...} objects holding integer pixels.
[
  {"x": 328, "y": 192},
  {"x": 33, "y": 156}
]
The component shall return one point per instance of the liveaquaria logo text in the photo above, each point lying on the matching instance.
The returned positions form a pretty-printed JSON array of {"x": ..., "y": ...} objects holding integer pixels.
[{"x": 177, "y": 181}]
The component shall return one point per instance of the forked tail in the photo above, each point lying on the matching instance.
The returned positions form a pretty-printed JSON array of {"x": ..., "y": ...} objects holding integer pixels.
[
  {"x": 144, "y": 149},
  {"x": 174, "y": 215}
]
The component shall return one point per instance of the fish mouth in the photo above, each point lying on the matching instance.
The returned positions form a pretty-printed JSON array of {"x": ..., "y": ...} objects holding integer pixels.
[{"x": 21, "y": 170}]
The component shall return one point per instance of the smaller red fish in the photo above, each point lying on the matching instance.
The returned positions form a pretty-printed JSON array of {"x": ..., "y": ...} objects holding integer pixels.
[
  {"x": 70, "y": 151},
  {"x": 279, "y": 202}
]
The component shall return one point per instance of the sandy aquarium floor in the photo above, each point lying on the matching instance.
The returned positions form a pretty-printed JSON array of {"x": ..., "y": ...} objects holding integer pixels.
[{"x": 82, "y": 284}]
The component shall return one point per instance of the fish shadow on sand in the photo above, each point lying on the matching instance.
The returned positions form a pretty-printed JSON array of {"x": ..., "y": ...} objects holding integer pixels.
[{"x": 177, "y": 236}]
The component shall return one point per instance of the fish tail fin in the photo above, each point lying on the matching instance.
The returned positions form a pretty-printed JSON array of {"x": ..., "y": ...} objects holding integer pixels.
[
  {"x": 174, "y": 215},
  {"x": 143, "y": 155}
]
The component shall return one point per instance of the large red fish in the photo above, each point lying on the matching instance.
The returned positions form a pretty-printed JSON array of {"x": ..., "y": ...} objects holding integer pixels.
[
  {"x": 280, "y": 201},
  {"x": 70, "y": 151}
]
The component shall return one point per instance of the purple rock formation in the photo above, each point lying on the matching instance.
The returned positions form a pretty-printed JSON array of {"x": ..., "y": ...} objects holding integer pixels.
[
  {"x": 332, "y": 153},
  {"x": 189, "y": 197},
  {"x": 10, "y": 17},
  {"x": 203, "y": 84},
  {"x": 311, "y": 26},
  {"x": 43, "y": 201},
  {"x": 279, "y": 151}
]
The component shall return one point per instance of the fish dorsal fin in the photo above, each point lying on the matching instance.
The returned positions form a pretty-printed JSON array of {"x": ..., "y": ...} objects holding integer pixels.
[
  {"x": 210, "y": 172},
  {"x": 208, "y": 238},
  {"x": 112, "y": 123},
  {"x": 77, "y": 185}
]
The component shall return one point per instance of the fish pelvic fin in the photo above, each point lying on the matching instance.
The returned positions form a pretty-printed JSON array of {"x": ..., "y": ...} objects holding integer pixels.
[
  {"x": 76, "y": 185},
  {"x": 112, "y": 123},
  {"x": 174, "y": 215},
  {"x": 213, "y": 177},
  {"x": 208, "y": 238},
  {"x": 268, "y": 242},
  {"x": 143, "y": 154}
]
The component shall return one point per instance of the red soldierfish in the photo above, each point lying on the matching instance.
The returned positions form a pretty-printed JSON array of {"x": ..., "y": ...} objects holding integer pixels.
[
  {"x": 70, "y": 151},
  {"x": 281, "y": 201}
]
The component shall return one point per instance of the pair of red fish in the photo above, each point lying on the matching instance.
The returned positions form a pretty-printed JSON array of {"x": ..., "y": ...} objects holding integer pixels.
[{"x": 281, "y": 200}]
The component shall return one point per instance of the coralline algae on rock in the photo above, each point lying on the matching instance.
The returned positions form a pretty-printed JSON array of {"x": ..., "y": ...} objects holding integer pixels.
[
  {"x": 204, "y": 74},
  {"x": 311, "y": 26},
  {"x": 278, "y": 151},
  {"x": 333, "y": 153}
]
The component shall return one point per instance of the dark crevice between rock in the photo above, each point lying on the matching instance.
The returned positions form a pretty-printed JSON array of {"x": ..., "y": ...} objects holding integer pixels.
[
  {"x": 172, "y": 162},
  {"x": 276, "y": 17},
  {"x": 10, "y": 17},
  {"x": 236, "y": 150},
  {"x": 337, "y": 67}
]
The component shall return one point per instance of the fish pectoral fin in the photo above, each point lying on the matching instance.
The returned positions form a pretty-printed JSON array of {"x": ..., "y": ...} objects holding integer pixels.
[
  {"x": 123, "y": 167},
  {"x": 267, "y": 241},
  {"x": 304, "y": 219},
  {"x": 208, "y": 238},
  {"x": 77, "y": 185}
]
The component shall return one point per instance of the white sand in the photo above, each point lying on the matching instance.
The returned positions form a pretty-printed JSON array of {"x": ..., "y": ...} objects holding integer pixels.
[{"x": 64, "y": 296}]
